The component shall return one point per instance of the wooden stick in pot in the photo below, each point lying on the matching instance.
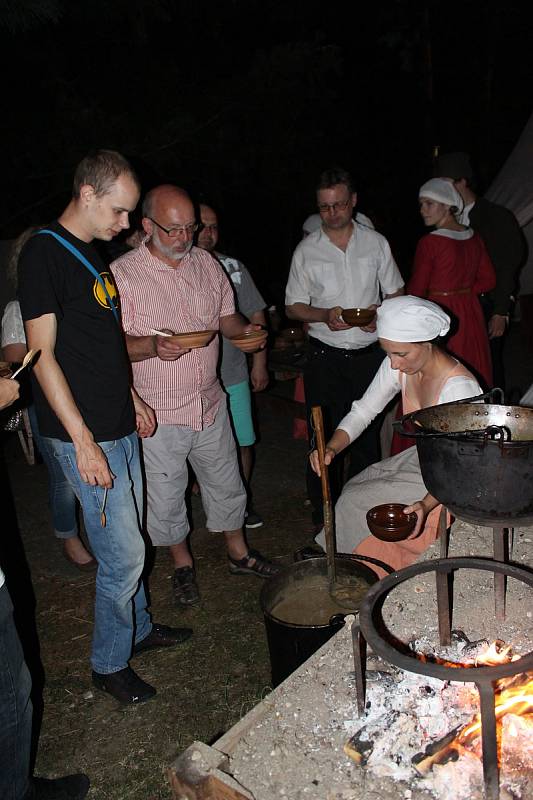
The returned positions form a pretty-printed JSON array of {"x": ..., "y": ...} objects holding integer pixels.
[{"x": 318, "y": 425}]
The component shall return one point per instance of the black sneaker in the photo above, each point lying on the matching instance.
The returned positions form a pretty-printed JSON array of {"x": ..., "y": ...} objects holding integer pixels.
[
  {"x": 162, "y": 636},
  {"x": 70, "y": 787},
  {"x": 125, "y": 686},
  {"x": 184, "y": 587},
  {"x": 252, "y": 519}
]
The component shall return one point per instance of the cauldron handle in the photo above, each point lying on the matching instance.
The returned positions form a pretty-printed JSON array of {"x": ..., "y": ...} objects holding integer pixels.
[
  {"x": 496, "y": 392},
  {"x": 338, "y": 620},
  {"x": 399, "y": 425},
  {"x": 388, "y": 569},
  {"x": 497, "y": 433}
]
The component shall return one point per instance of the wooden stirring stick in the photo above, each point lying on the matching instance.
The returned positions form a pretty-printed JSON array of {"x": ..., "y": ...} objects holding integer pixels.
[{"x": 318, "y": 425}]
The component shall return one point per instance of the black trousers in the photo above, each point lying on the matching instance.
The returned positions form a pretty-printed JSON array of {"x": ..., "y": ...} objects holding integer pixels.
[
  {"x": 496, "y": 345},
  {"x": 333, "y": 379}
]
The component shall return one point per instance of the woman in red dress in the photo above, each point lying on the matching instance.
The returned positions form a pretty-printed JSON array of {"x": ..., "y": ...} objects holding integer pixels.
[{"x": 451, "y": 268}]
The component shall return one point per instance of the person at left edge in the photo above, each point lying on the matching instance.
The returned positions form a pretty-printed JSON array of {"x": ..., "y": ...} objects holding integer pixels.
[
  {"x": 88, "y": 412},
  {"x": 16, "y": 710}
]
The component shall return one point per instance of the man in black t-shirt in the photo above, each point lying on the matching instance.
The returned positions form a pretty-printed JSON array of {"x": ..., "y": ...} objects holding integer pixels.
[{"x": 89, "y": 413}]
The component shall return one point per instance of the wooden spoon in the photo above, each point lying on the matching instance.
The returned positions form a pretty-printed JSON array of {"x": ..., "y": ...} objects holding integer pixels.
[
  {"x": 102, "y": 510},
  {"x": 28, "y": 358},
  {"x": 318, "y": 425},
  {"x": 345, "y": 595}
]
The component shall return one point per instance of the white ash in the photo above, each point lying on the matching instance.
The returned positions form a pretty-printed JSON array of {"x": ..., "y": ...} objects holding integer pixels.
[{"x": 296, "y": 749}]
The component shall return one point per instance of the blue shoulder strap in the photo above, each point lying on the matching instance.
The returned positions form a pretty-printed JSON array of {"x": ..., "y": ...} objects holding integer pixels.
[{"x": 75, "y": 252}]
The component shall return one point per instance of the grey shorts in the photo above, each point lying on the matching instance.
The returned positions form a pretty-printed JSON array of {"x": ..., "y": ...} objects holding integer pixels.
[{"x": 213, "y": 457}]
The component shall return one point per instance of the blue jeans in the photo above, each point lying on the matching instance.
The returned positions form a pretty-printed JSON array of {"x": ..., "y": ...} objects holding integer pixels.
[
  {"x": 61, "y": 497},
  {"x": 120, "y": 615},
  {"x": 15, "y": 708}
]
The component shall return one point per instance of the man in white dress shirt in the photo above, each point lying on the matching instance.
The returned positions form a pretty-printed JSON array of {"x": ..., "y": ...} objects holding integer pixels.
[{"x": 342, "y": 265}]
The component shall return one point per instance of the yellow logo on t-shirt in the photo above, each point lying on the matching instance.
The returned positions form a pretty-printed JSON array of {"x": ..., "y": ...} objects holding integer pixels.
[{"x": 99, "y": 293}]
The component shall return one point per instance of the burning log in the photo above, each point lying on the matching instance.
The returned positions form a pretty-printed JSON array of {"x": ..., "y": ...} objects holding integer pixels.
[
  {"x": 359, "y": 748},
  {"x": 439, "y": 752},
  {"x": 513, "y": 696}
]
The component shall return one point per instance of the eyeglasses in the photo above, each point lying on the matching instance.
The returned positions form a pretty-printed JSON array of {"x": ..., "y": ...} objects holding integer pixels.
[
  {"x": 339, "y": 206},
  {"x": 174, "y": 232}
]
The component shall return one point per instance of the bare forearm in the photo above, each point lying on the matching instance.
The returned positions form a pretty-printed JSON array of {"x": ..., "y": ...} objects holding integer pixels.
[
  {"x": 336, "y": 444},
  {"x": 258, "y": 318},
  {"x": 232, "y": 325},
  {"x": 259, "y": 359},
  {"x": 141, "y": 347},
  {"x": 395, "y": 294},
  {"x": 306, "y": 313},
  {"x": 90, "y": 460},
  {"x": 57, "y": 392},
  {"x": 339, "y": 441},
  {"x": 429, "y": 502}
]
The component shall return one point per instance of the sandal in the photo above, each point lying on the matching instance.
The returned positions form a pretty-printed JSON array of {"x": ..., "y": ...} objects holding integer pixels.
[
  {"x": 184, "y": 587},
  {"x": 253, "y": 563}
]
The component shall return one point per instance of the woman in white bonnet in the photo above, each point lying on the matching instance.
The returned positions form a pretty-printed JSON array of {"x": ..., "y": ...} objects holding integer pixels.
[
  {"x": 452, "y": 267},
  {"x": 409, "y": 330}
]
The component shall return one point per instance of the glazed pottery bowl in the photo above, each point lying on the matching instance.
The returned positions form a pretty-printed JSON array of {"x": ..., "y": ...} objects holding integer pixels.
[
  {"x": 388, "y": 522},
  {"x": 358, "y": 317}
]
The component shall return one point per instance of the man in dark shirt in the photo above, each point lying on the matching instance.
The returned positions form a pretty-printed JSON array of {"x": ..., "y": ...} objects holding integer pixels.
[
  {"x": 89, "y": 413},
  {"x": 505, "y": 245}
]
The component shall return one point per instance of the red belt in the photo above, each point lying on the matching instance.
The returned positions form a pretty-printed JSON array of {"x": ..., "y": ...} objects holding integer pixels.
[{"x": 438, "y": 293}]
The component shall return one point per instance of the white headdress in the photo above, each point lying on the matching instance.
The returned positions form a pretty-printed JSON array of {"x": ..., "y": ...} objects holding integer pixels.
[
  {"x": 411, "y": 319},
  {"x": 443, "y": 192}
]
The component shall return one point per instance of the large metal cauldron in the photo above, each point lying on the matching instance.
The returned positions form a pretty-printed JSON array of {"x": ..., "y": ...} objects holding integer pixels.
[{"x": 476, "y": 458}]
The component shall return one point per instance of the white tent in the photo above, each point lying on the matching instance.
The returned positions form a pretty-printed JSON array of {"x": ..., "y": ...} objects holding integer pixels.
[{"x": 513, "y": 188}]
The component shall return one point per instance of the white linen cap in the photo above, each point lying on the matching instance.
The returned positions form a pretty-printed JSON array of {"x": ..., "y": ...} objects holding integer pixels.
[
  {"x": 442, "y": 191},
  {"x": 411, "y": 319}
]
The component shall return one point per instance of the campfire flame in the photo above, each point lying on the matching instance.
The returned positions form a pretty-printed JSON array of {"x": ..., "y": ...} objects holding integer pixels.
[{"x": 513, "y": 695}]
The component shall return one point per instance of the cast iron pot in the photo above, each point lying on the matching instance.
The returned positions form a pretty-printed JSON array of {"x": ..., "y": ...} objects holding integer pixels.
[
  {"x": 476, "y": 458},
  {"x": 289, "y": 645}
]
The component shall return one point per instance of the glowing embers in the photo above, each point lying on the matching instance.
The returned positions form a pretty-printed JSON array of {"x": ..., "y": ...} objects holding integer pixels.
[{"x": 503, "y": 684}]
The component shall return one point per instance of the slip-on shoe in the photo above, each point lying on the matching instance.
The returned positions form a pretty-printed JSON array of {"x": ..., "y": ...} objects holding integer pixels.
[
  {"x": 124, "y": 685},
  {"x": 162, "y": 636}
]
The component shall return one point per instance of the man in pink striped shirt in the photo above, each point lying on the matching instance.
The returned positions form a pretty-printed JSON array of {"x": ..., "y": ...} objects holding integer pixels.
[{"x": 167, "y": 284}]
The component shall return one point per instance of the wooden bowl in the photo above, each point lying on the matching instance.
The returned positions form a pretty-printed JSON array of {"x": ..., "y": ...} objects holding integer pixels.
[
  {"x": 358, "y": 317},
  {"x": 388, "y": 522},
  {"x": 193, "y": 339},
  {"x": 249, "y": 336}
]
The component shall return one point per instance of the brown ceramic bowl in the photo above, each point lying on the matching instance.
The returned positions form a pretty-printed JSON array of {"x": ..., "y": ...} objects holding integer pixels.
[
  {"x": 388, "y": 522},
  {"x": 358, "y": 317},
  {"x": 193, "y": 339}
]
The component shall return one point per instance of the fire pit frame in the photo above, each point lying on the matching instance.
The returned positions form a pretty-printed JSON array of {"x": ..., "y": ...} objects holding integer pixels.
[
  {"x": 502, "y": 539},
  {"x": 370, "y": 628}
]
